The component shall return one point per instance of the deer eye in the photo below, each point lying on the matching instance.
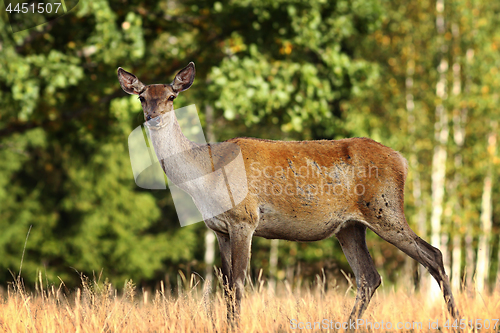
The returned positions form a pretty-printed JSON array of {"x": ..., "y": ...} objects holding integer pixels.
[
  {"x": 171, "y": 98},
  {"x": 141, "y": 99}
]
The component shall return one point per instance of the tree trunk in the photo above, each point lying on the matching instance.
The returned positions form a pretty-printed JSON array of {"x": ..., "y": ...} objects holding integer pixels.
[
  {"x": 483, "y": 250},
  {"x": 209, "y": 255},
  {"x": 469, "y": 238},
  {"x": 459, "y": 121},
  {"x": 422, "y": 279},
  {"x": 273, "y": 264},
  {"x": 497, "y": 282},
  {"x": 440, "y": 153},
  {"x": 209, "y": 234}
]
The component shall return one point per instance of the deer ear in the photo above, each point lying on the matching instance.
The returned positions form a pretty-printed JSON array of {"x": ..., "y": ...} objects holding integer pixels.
[
  {"x": 129, "y": 82},
  {"x": 184, "y": 79}
]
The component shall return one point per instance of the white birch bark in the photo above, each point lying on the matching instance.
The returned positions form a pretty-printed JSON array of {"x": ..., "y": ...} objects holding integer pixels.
[
  {"x": 459, "y": 121},
  {"x": 209, "y": 255},
  {"x": 440, "y": 153},
  {"x": 483, "y": 250},
  {"x": 469, "y": 248},
  {"x": 209, "y": 234}
]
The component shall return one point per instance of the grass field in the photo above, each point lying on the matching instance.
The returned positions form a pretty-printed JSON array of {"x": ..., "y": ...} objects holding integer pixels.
[{"x": 99, "y": 307}]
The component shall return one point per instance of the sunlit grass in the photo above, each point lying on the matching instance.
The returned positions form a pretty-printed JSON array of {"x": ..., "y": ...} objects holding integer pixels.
[{"x": 99, "y": 307}]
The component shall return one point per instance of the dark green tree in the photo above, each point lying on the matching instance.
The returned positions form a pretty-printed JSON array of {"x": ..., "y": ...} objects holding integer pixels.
[{"x": 276, "y": 69}]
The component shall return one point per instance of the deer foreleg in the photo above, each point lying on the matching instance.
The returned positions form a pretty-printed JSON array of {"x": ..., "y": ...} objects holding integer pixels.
[
  {"x": 241, "y": 242},
  {"x": 226, "y": 276}
]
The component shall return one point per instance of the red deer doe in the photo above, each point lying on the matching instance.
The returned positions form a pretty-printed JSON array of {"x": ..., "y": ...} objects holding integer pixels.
[{"x": 298, "y": 191}]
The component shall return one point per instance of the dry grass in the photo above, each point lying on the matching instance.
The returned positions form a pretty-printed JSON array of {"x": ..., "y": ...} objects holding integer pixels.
[{"x": 98, "y": 307}]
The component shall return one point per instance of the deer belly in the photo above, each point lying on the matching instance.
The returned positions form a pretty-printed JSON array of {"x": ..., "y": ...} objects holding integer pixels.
[{"x": 298, "y": 225}]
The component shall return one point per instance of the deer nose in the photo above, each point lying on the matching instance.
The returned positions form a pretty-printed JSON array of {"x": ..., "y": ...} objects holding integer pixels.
[{"x": 148, "y": 118}]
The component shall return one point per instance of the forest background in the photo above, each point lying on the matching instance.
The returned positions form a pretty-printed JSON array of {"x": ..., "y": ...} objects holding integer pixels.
[{"x": 421, "y": 77}]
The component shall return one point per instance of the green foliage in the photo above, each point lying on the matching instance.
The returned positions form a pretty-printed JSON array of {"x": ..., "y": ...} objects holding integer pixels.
[
  {"x": 295, "y": 77},
  {"x": 271, "y": 69},
  {"x": 64, "y": 120}
]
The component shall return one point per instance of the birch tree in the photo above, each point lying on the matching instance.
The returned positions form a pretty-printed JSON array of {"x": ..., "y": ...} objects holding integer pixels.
[
  {"x": 483, "y": 251},
  {"x": 459, "y": 130},
  {"x": 441, "y": 131},
  {"x": 420, "y": 215},
  {"x": 209, "y": 234}
]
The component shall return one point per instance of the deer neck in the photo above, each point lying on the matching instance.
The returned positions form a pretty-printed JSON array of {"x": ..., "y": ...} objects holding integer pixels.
[
  {"x": 181, "y": 159},
  {"x": 167, "y": 136}
]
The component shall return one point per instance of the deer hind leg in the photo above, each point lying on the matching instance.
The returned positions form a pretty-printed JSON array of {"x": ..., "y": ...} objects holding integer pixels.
[
  {"x": 353, "y": 242},
  {"x": 398, "y": 233}
]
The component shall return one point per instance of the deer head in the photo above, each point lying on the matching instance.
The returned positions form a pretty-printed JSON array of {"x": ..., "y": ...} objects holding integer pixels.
[{"x": 157, "y": 99}]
